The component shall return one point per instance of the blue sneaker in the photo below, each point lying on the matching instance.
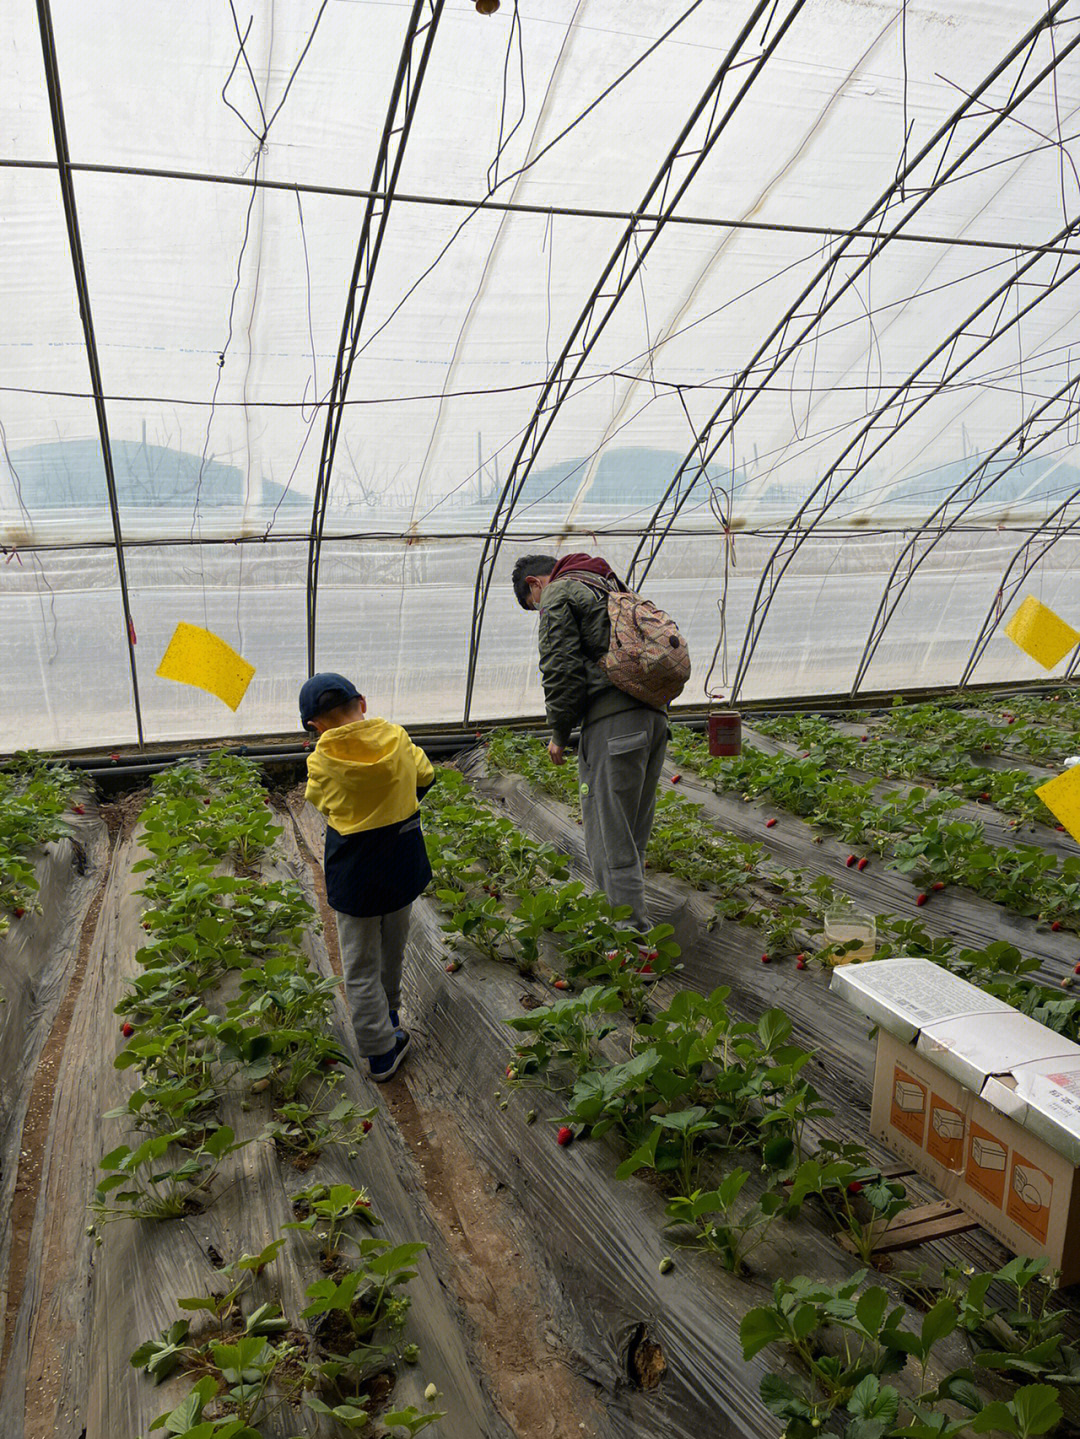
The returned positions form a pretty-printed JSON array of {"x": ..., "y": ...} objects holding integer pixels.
[
  {"x": 383, "y": 1066},
  {"x": 395, "y": 1020}
]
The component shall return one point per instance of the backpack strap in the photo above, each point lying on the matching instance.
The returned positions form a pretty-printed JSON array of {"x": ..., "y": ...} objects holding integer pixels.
[{"x": 598, "y": 583}]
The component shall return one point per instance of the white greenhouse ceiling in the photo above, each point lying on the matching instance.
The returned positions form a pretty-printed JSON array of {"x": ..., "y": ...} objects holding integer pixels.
[{"x": 317, "y": 313}]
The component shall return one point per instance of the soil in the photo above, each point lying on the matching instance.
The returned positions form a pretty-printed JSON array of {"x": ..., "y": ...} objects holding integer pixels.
[
  {"x": 518, "y": 1349},
  {"x": 533, "y": 1381},
  {"x": 41, "y": 1401}
]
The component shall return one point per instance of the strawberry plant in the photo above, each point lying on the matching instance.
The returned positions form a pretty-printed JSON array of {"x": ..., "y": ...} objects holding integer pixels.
[
  {"x": 718, "y": 1222},
  {"x": 565, "y": 1035},
  {"x": 302, "y": 1129},
  {"x": 351, "y": 1310},
  {"x": 33, "y": 796},
  {"x": 854, "y": 1192},
  {"x": 154, "y": 1181},
  {"x": 331, "y": 1210},
  {"x": 519, "y": 754},
  {"x": 845, "y": 1343}
]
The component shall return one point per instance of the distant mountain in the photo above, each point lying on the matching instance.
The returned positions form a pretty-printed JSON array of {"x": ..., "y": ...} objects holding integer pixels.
[
  {"x": 70, "y": 474},
  {"x": 624, "y": 478}
]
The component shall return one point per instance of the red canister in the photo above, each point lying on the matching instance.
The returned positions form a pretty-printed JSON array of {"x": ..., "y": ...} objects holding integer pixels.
[{"x": 725, "y": 732}]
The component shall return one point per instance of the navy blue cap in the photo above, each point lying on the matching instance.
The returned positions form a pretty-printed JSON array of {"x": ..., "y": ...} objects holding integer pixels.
[{"x": 322, "y": 692}]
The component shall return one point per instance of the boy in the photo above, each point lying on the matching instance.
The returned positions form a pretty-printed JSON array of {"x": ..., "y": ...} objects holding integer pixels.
[{"x": 367, "y": 777}]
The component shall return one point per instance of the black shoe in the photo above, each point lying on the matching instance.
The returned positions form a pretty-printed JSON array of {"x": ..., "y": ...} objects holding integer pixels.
[
  {"x": 383, "y": 1066},
  {"x": 395, "y": 1020}
]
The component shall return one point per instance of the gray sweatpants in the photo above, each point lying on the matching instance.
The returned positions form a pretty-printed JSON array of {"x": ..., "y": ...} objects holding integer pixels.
[
  {"x": 372, "y": 950},
  {"x": 619, "y": 759}
]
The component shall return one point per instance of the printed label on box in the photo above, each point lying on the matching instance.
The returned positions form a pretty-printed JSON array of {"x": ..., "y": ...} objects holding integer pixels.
[
  {"x": 1031, "y": 1191},
  {"x": 945, "y": 1139},
  {"x": 908, "y": 1105},
  {"x": 987, "y": 1157},
  {"x": 1058, "y": 1095}
]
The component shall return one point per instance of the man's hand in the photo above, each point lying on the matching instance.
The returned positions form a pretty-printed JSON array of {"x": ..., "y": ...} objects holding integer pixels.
[{"x": 556, "y": 753}]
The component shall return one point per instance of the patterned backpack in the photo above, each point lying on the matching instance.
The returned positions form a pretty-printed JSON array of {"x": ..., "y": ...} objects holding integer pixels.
[{"x": 647, "y": 656}]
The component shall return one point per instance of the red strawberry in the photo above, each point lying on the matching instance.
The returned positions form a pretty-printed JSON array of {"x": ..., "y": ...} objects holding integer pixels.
[
  {"x": 769, "y": 823},
  {"x": 850, "y": 860},
  {"x": 611, "y": 956},
  {"x": 206, "y": 801},
  {"x": 985, "y": 794},
  {"x": 329, "y": 1061},
  {"x": 854, "y": 1187},
  {"x": 453, "y": 967},
  {"x": 78, "y": 809},
  {"x": 18, "y": 912},
  {"x": 675, "y": 778},
  {"x": 1076, "y": 969},
  {"x": 765, "y": 959},
  {"x": 565, "y": 1136},
  {"x": 1060, "y": 828},
  {"x": 127, "y": 1029},
  {"x": 362, "y": 1203},
  {"x": 510, "y": 1071},
  {"x": 561, "y": 984},
  {"x": 800, "y": 963},
  {"x": 920, "y": 899},
  {"x": 938, "y": 884},
  {"x": 1056, "y": 925},
  {"x": 863, "y": 738},
  {"x": 862, "y": 863},
  {"x": 366, "y": 1126}
]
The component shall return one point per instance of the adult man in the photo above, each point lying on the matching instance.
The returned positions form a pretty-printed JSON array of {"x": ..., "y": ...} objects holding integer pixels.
[{"x": 623, "y": 740}]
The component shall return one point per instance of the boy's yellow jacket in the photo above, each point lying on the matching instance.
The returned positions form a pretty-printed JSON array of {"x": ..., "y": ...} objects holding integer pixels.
[{"x": 365, "y": 775}]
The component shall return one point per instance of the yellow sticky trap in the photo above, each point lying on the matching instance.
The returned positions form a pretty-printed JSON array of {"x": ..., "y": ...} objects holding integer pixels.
[
  {"x": 197, "y": 657},
  {"x": 1061, "y": 796},
  {"x": 1041, "y": 633}
]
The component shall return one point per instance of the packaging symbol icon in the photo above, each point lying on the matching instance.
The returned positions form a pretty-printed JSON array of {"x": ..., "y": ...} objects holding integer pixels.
[
  {"x": 909, "y": 1097},
  {"x": 987, "y": 1153}
]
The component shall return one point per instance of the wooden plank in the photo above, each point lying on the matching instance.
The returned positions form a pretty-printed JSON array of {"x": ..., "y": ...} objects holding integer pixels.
[{"x": 916, "y": 1226}]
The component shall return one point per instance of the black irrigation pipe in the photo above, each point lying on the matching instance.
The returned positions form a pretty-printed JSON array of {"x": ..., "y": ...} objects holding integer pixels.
[
  {"x": 839, "y": 530},
  {"x": 442, "y": 744},
  {"x": 67, "y": 190},
  {"x": 572, "y": 212}
]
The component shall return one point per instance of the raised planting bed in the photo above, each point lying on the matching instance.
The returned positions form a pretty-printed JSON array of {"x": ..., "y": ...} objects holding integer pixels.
[
  {"x": 618, "y": 1206},
  {"x": 234, "y": 1115}
]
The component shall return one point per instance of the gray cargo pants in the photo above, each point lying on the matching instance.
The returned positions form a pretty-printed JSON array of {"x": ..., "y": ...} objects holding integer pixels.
[
  {"x": 619, "y": 759},
  {"x": 372, "y": 950}
]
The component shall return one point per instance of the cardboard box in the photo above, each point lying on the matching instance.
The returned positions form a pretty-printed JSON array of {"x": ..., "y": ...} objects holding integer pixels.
[{"x": 981, "y": 1099}]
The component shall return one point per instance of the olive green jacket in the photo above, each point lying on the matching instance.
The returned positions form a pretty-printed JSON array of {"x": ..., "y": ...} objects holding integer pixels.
[{"x": 575, "y": 631}]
